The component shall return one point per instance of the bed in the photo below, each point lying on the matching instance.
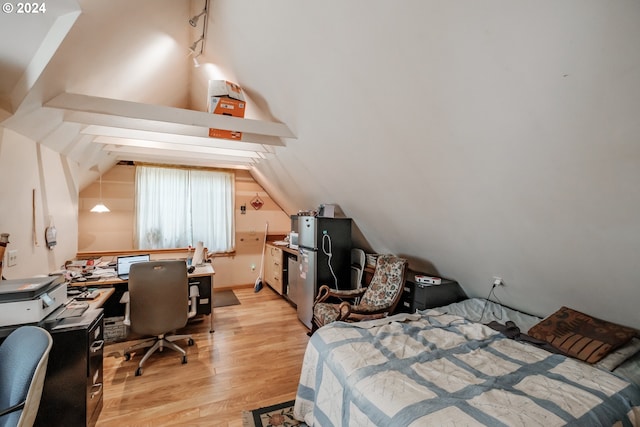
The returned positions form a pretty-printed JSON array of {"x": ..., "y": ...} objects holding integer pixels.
[{"x": 442, "y": 367}]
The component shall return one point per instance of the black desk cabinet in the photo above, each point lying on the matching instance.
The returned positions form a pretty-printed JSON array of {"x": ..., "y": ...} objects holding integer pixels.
[
  {"x": 204, "y": 287},
  {"x": 72, "y": 394},
  {"x": 418, "y": 296}
]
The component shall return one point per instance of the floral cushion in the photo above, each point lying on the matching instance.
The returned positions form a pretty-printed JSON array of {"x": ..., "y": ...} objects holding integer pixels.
[
  {"x": 325, "y": 313},
  {"x": 385, "y": 285},
  {"x": 386, "y": 282}
]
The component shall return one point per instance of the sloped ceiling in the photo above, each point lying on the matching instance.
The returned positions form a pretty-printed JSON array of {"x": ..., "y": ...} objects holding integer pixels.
[
  {"x": 478, "y": 139},
  {"x": 115, "y": 84}
]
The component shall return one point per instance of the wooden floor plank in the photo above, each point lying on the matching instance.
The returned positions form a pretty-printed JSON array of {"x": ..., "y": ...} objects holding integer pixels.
[{"x": 253, "y": 359}]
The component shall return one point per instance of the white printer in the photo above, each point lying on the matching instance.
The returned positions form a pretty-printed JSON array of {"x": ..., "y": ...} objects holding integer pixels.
[{"x": 30, "y": 300}]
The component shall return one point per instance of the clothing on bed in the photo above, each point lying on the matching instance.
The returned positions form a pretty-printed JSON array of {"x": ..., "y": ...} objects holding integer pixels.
[
  {"x": 511, "y": 331},
  {"x": 441, "y": 369},
  {"x": 484, "y": 311}
]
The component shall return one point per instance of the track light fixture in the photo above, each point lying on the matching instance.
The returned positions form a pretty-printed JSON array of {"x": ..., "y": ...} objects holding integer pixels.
[
  {"x": 194, "y": 51},
  {"x": 192, "y": 48},
  {"x": 194, "y": 19}
]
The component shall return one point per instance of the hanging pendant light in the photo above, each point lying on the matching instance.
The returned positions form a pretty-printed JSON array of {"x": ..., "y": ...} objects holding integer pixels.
[{"x": 100, "y": 207}]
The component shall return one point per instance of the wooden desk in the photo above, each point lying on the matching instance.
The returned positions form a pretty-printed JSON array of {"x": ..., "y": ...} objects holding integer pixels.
[
  {"x": 202, "y": 277},
  {"x": 100, "y": 300}
]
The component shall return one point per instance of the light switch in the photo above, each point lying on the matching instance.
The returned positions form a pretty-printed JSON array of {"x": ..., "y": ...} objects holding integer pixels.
[{"x": 12, "y": 258}]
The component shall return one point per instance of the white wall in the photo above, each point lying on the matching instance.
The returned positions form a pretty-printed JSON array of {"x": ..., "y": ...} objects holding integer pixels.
[
  {"x": 476, "y": 138},
  {"x": 26, "y": 166}
]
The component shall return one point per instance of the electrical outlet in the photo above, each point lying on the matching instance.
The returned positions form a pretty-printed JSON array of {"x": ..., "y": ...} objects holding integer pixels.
[
  {"x": 497, "y": 281},
  {"x": 253, "y": 267},
  {"x": 12, "y": 258}
]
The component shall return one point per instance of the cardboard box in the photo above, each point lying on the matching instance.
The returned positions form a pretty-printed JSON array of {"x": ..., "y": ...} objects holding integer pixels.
[
  {"x": 225, "y": 98},
  {"x": 226, "y": 89},
  {"x": 226, "y": 106},
  {"x": 114, "y": 329},
  {"x": 225, "y": 134}
]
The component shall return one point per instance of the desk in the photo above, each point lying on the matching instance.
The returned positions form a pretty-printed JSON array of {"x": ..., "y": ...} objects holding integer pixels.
[
  {"x": 99, "y": 301},
  {"x": 201, "y": 277}
]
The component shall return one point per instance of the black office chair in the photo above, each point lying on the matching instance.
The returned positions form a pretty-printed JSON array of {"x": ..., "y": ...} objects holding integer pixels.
[
  {"x": 158, "y": 305},
  {"x": 24, "y": 355}
]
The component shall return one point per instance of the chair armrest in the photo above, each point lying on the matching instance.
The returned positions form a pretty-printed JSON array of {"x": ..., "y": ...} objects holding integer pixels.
[
  {"x": 325, "y": 292},
  {"x": 194, "y": 294},
  {"x": 124, "y": 299},
  {"x": 366, "y": 309}
]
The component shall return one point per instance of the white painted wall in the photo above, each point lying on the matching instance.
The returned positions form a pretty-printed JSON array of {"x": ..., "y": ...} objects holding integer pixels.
[
  {"x": 26, "y": 166},
  {"x": 476, "y": 138}
]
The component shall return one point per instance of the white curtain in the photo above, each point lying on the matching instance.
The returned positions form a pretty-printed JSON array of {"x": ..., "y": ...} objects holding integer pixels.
[{"x": 176, "y": 208}]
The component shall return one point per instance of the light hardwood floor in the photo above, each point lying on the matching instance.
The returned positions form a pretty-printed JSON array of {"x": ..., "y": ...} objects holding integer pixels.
[{"x": 253, "y": 359}]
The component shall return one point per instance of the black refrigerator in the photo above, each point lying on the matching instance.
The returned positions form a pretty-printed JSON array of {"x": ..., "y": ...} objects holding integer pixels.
[{"x": 325, "y": 259}]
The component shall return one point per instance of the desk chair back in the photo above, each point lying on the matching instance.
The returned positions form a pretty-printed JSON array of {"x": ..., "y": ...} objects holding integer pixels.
[
  {"x": 24, "y": 355},
  {"x": 159, "y": 297}
]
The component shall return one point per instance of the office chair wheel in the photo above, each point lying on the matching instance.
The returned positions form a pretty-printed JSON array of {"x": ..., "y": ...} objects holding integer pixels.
[
  {"x": 138, "y": 372},
  {"x": 127, "y": 356},
  {"x": 190, "y": 342},
  {"x": 184, "y": 359}
]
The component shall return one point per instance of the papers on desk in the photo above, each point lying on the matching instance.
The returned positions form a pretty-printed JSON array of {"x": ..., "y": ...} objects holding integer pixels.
[{"x": 103, "y": 272}]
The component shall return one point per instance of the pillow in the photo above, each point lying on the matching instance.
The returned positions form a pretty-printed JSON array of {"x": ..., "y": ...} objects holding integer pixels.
[
  {"x": 581, "y": 336},
  {"x": 620, "y": 355}
]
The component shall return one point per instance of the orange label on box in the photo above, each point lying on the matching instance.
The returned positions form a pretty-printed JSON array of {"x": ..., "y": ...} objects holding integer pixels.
[
  {"x": 225, "y": 134},
  {"x": 226, "y": 106}
]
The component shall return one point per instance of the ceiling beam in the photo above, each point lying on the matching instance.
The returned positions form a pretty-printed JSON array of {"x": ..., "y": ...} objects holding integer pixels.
[
  {"x": 185, "y": 140},
  {"x": 154, "y": 145},
  {"x": 106, "y": 120},
  {"x": 160, "y": 113},
  {"x": 174, "y": 155},
  {"x": 177, "y": 161}
]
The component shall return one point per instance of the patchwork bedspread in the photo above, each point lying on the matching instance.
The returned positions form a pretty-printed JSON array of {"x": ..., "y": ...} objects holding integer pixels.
[{"x": 442, "y": 370}]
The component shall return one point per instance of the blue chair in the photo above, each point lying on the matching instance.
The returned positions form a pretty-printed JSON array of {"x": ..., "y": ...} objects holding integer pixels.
[{"x": 23, "y": 363}]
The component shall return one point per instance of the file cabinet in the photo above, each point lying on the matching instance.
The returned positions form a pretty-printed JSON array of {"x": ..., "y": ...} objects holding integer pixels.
[
  {"x": 73, "y": 386},
  {"x": 418, "y": 296}
]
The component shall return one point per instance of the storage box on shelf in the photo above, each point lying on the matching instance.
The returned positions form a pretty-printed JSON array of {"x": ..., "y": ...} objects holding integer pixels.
[{"x": 225, "y": 98}]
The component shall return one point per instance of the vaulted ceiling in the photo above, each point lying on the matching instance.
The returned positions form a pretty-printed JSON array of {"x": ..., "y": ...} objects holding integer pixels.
[
  {"x": 110, "y": 81},
  {"x": 475, "y": 138}
]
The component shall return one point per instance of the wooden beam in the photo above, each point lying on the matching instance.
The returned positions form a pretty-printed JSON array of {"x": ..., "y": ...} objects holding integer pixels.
[
  {"x": 160, "y": 113},
  {"x": 120, "y": 122},
  {"x": 186, "y": 140}
]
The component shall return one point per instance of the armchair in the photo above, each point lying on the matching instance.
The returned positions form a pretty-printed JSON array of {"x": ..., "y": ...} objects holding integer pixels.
[
  {"x": 24, "y": 355},
  {"x": 377, "y": 300},
  {"x": 157, "y": 305}
]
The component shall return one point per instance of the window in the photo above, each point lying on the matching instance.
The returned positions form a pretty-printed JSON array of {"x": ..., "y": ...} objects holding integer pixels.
[{"x": 176, "y": 208}]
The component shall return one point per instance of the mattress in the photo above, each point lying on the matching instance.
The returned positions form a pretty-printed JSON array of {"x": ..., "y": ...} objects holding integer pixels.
[{"x": 438, "y": 368}]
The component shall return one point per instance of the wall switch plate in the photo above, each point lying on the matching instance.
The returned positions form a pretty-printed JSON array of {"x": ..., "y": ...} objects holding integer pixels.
[{"x": 12, "y": 258}]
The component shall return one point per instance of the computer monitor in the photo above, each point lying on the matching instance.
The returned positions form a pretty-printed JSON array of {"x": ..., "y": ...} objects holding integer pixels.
[{"x": 123, "y": 264}]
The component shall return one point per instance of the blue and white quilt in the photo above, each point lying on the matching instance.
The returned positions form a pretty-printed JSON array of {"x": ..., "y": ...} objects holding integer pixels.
[{"x": 443, "y": 370}]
